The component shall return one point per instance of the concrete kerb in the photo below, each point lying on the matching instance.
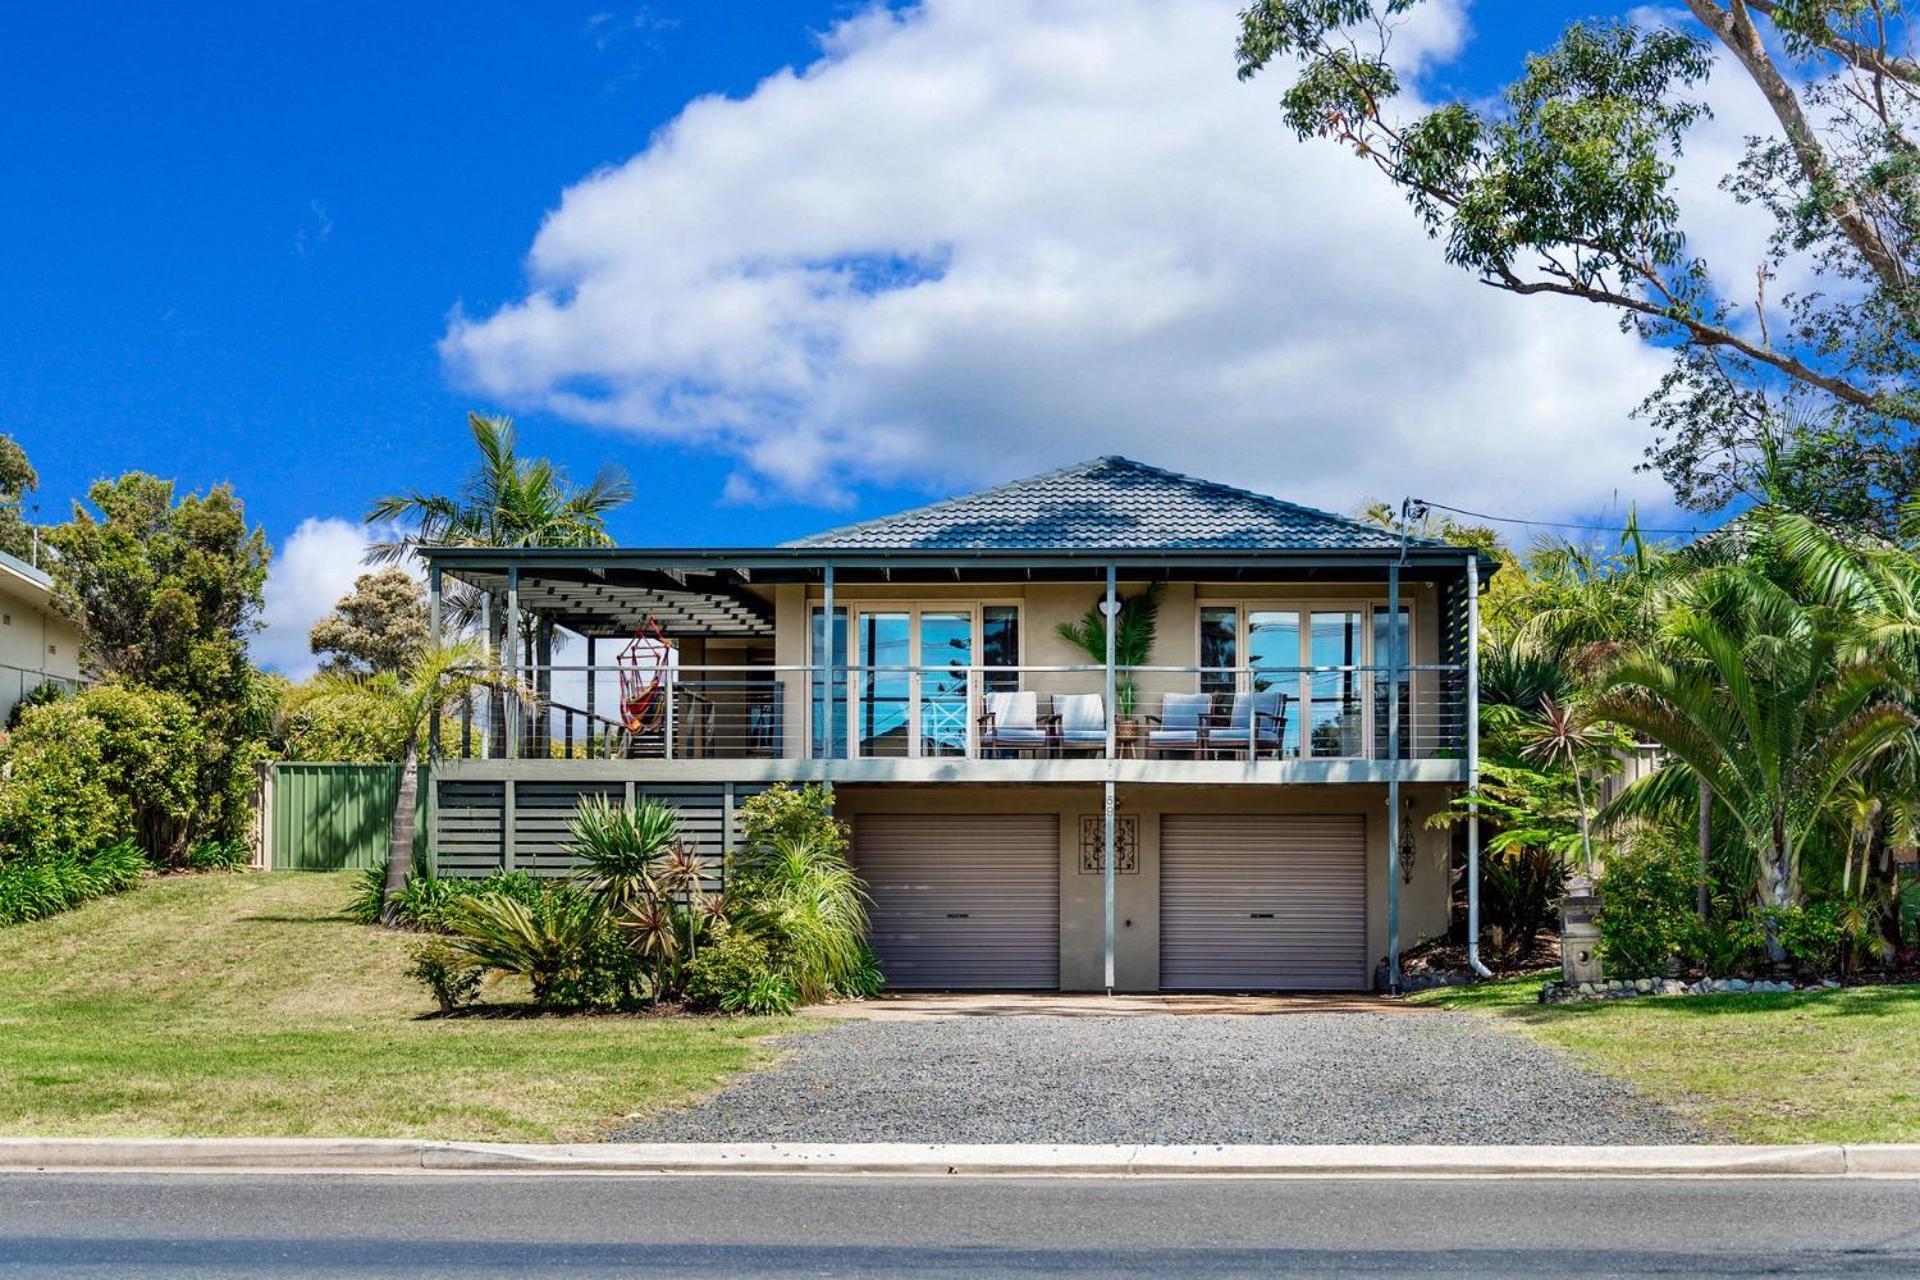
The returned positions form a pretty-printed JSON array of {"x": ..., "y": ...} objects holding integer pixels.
[{"x": 395, "y": 1156}]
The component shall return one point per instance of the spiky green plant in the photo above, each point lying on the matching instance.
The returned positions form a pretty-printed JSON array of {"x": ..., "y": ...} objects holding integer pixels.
[
  {"x": 623, "y": 851},
  {"x": 544, "y": 942},
  {"x": 803, "y": 896},
  {"x": 1133, "y": 635}
]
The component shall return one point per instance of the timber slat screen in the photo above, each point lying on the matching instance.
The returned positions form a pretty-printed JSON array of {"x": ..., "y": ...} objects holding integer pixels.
[{"x": 471, "y": 823}]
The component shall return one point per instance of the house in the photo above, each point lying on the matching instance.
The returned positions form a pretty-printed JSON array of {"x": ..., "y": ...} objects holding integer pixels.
[
  {"x": 1245, "y": 810},
  {"x": 38, "y": 645}
]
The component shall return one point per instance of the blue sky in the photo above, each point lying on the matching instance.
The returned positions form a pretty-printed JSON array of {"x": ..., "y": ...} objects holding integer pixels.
[{"x": 236, "y": 239}]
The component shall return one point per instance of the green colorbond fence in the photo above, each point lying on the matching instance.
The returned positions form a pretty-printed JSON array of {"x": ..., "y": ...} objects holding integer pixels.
[{"x": 334, "y": 817}]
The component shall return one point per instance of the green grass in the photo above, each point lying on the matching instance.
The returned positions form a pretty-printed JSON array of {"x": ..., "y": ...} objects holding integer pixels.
[
  {"x": 1830, "y": 1066},
  {"x": 245, "y": 1005}
]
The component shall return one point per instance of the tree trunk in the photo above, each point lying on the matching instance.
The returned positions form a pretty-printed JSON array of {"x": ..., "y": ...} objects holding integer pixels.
[
  {"x": 1586, "y": 835},
  {"x": 1706, "y": 851},
  {"x": 1776, "y": 892},
  {"x": 400, "y": 847}
]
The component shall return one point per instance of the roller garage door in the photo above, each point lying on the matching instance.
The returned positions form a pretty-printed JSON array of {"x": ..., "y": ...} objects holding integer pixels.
[
  {"x": 1263, "y": 903},
  {"x": 963, "y": 901}
]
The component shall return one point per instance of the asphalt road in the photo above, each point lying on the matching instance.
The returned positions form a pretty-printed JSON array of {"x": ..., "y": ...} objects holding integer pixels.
[{"x": 134, "y": 1227}]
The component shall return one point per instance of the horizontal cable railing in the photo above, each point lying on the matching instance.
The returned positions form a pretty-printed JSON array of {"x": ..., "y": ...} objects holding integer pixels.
[{"x": 1334, "y": 712}]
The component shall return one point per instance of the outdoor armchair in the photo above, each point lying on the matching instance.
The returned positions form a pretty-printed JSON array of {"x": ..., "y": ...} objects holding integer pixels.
[
  {"x": 1257, "y": 723},
  {"x": 1011, "y": 722},
  {"x": 1080, "y": 721},
  {"x": 1180, "y": 726}
]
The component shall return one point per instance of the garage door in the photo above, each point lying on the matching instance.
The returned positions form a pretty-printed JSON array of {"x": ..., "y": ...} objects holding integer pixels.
[
  {"x": 1252, "y": 903},
  {"x": 963, "y": 901}
]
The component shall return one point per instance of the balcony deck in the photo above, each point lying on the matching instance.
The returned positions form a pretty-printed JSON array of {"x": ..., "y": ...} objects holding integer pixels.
[{"x": 1034, "y": 725}]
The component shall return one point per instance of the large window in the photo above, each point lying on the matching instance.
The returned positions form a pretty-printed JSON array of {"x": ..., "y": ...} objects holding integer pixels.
[
  {"x": 1320, "y": 656},
  {"x": 910, "y": 674},
  {"x": 1000, "y": 644},
  {"x": 817, "y": 647}
]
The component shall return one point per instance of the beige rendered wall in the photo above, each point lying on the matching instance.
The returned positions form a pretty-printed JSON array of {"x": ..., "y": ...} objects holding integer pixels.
[
  {"x": 1044, "y": 606},
  {"x": 35, "y": 642},
  {"x": 1423, "y": 902}
]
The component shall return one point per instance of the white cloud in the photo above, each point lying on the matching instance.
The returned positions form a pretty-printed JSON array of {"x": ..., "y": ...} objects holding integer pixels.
[
  {"x": 977, "y": 240},
  {"x": 311, "y": 570}
]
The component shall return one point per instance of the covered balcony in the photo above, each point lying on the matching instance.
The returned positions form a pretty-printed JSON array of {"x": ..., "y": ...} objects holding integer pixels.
[{"x": 1265, "y": 668}]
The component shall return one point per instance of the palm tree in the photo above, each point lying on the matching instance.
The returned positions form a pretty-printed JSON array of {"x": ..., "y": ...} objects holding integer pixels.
[
  {"x": 442, "y": 675},
  {"x": 1773, "y": 705},
  {"x": 505, "y": 501},
  {"x": 1133, "y": 637},
  {"x": 1561, "y": 736}
]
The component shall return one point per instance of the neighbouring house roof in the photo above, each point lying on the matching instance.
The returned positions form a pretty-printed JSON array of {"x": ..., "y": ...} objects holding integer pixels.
[
  {"x": 1117, "y": 504},
  {"x": 35, "y": 584}
]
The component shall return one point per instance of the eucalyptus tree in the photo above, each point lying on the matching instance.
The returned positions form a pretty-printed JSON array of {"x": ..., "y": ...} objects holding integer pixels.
[{"x": 1566, "y": 186}]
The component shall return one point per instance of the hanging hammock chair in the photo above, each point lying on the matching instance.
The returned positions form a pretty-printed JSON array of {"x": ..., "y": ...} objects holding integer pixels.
[{"x": 644, "y": 665}]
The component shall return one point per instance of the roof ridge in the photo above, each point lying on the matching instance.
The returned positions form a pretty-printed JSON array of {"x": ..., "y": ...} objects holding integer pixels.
[
  {"x": 1104, "y": 499},
  {"x": 929, "y": 507}
]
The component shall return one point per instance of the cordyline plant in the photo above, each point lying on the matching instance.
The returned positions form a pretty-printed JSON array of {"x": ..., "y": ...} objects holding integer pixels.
[{"x": 648, "y": 881}]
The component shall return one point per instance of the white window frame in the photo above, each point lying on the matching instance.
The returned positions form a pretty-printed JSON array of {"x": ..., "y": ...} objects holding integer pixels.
[
  {"x": 974, "y": 607},
  {"x": 1305, "y": 607}
]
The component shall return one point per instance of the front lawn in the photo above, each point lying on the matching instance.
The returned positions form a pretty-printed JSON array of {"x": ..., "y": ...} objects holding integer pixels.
[
  {"x": 1831, "y": 1066},
  {"x": 244, "y": 1005}
]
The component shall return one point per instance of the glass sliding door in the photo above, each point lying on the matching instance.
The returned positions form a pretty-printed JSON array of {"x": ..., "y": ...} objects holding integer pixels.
[
  {"x": 945, "y": 657},
  {"x": 884, "y": 684},
  {"x": 818, "y": 747},
  {"x": 1273, "y": 665},
  {"x": 1335, "y": 711}
]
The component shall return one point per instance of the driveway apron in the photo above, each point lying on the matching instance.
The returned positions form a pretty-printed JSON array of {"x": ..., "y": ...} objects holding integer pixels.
[{"x": 1161, "y": 1077}]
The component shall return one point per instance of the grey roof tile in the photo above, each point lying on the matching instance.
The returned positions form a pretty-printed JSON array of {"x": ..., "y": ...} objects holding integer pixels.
[{"x": 1111, "y": 503}]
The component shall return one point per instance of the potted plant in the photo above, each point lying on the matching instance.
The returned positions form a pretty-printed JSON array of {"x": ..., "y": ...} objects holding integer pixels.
[{"x": 1133, "y": 637}]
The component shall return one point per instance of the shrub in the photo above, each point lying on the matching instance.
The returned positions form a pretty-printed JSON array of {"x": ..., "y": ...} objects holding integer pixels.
[
  {"x": 562, "y": 944},
  {"x": 424, "y": 900},
  {"x": 34, "y": 888},
  {"x": 113, "y": 762},
  {"x": 801, "y": 896},
  {"x": 1520, "y": 891},
  {"x": 219, "y": 855},
  {"x": 369, "y": 895},
  {"x": 38, "y": 696},
  {"x": 865, "y": 981},
  {"x": 1648, "y": 918},
  {"x": 450, "y": 974},
  {"x": 770, "y": 993},
  {"x": 312, "y": 722},
  {"x": 733, "y": 961},
  {"x": 1819, "y": 937},
  {"x": 792, "y": 813}
]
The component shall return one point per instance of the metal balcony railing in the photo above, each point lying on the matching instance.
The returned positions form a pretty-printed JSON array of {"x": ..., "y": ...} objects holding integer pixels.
[{"x": 966, "y": 713}]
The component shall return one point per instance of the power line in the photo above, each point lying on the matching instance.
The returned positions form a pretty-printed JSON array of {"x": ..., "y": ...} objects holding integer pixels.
[{"x": 1549, "y": 524}]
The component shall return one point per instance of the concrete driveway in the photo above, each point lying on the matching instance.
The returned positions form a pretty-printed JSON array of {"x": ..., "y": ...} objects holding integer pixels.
[{"x": 1073, "y": 1073}]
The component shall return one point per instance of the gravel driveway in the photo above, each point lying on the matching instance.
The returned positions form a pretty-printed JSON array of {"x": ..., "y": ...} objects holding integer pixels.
[{"x": 1300, "y": 1078}]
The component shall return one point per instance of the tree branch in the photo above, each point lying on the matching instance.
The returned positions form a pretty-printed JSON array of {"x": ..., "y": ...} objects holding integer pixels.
[
  {"x": 1734, "y": 28},
  {"x": 1700, "y": 332},
  {"x": 1866, "y": 56}
]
